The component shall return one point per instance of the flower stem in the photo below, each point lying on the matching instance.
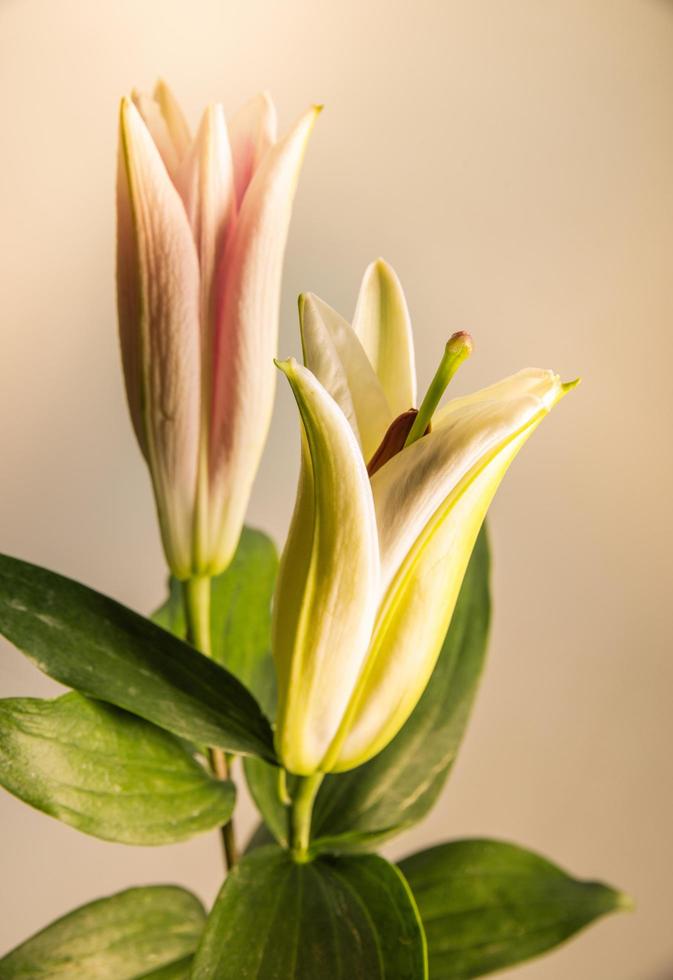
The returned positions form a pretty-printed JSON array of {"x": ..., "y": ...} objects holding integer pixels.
[
  {"x": 196, "y": 599},
  {"x": 301, "y": 811}
]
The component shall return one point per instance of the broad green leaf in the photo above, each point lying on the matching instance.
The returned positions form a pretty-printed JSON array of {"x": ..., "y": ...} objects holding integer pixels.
[
  {"x": 240, "y": 615},
  {"x": 107, "y": 772},
  {"x": 400, "y": 785},
  {"x": 99, "y": 647},
  {"x": 347, "y": 918},
  {"x": 139, "y": 933},
  {"x": 180, "y": 970},
  {"x": 487, "y": 905}
]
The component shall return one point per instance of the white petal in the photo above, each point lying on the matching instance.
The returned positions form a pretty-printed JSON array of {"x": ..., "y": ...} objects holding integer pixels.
[
  {"x": 412, "y": 485},
  {"x": 336, "y": 357},
  {"x": 158, "y": 299},
  {"x": 430, "y": 505},
  {"x": 327, "y": 587},
  {"x": 383, "y": 325}
]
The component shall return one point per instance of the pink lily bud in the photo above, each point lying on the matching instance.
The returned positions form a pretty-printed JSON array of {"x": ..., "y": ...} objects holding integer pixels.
[{"x": 201, "y": 230}]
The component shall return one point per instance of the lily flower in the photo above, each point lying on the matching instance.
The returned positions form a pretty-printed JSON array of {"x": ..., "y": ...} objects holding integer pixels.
[
  {"x": 202, "y": 225},
  {"x": 374, "y": 561}
]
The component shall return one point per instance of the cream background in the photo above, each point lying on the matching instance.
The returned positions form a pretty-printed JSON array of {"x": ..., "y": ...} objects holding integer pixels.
[{"x": 514, "y": 161}]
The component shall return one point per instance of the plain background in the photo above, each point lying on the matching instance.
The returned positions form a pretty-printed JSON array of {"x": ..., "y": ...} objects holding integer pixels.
[{"x": 514, "y": 161}]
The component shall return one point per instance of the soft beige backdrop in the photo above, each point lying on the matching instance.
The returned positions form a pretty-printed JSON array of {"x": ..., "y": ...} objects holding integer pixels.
[{"x": 514, "y": 161}]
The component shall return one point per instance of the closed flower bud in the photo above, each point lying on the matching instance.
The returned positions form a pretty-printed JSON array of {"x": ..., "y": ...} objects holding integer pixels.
[{"x": 202, "y": 224}]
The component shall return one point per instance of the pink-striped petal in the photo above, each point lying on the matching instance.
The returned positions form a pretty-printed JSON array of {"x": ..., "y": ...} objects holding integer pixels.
[
  {"x": 252, "y": 133},
  {"x": 246, "y": 335}
]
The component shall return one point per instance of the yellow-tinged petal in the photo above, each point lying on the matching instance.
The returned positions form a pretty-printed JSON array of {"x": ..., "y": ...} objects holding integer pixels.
[
  {"x": 173, "y": 117},
  {"x": 430, "y": 501},
  {"x": 411, "y": 486},
  {"x": 252, "y": 131},
  {"x": 154, "y": 119},
  {"x": 383, "y": 325},
  {"x": 334, "y": 354},
  {"x": 328, "y": 582},
  {"x": 246, "y": 334},
  {"x": 158, "y": 301}
]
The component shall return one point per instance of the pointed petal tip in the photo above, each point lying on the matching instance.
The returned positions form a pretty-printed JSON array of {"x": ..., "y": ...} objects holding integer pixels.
[
  {"x": 383, "y": 270},
  {"x": 287, "y": 366},
  {"x": 304, "y": 300},
  {"x": 128, "y": 116},
  {"x": 569, "y": 385}
]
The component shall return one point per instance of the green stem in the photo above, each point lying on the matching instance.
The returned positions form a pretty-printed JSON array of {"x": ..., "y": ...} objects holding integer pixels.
[
  {"x": 301, "y": 811},
  {"x": 196, "y": 599}
]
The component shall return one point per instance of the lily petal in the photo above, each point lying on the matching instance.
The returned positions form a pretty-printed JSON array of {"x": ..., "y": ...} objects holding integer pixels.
[
  {"x": 382, "y": 323},
  {"x": 410, "y": 487},
  {"x": 431, "y": 500},
  {"x": 248, "y": 295},
  {"x": 207, "y": 187},
  {"x": 252, "y": 131},
  {"x": 327, "y": 588},
  {"x": 152, "y": 116},
  {"x": 158, "y": 300},
  {"x": 174, "y": 118},
  {"x": 334, "y": 354},
  {"x": 206, "y": 183}
]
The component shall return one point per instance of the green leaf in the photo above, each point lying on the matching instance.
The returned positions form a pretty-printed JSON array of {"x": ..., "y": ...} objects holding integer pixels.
[
  {"x": 107, "y": 772},
  {"x": 240, "y": 615},
  {"x": 487, "y": 905},
  {"x": 180, "y": 970},
  {"x": 92, "y": 643},
  {"x": 139, "y": 933},
  {"x": 347, "y": 918},
  {"x": 395, "y": 790}
]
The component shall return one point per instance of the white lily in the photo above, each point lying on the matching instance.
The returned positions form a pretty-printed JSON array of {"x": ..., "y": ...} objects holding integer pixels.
[{"x": 372, "y": 567}]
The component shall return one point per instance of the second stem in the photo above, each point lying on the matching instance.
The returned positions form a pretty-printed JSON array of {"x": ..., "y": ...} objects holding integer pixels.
[{"x": 196, "y": 597}]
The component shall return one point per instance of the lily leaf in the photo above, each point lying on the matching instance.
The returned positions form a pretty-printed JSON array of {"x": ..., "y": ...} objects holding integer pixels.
[
  {"x": 332, "y": 918},
  {"x": 107, "y": 772},
  {"x": 240, "y": 615},
  {"x": 487, "y": 905},
  {"x": 139, "y": 933},
  {"x": 99, "y": 647},
  {"x": 396, "y": 789}
]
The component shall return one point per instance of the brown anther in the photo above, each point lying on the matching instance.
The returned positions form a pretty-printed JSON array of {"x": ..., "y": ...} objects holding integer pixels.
[{"x": 393, "y": 441}]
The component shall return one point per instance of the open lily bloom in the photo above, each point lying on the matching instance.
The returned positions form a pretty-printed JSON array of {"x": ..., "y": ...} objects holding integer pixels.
[
  {"x": 372, "y": 567},
  {"x": 202, "y": 226}
]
